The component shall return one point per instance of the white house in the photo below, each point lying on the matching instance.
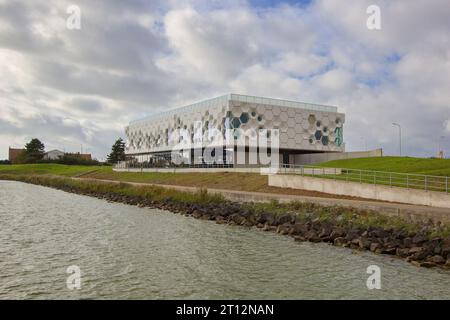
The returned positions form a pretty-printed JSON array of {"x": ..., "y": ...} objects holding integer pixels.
[{"x": 53, "y": 155}]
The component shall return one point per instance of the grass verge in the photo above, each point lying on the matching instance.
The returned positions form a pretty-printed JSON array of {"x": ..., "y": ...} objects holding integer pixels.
[
  {"x": 49, "y": 169},
  {"x": 436, "y": 167},
  {"x": 157, "y": 194}
]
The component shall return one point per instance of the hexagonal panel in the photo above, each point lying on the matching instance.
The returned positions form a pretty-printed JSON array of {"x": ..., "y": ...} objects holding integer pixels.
[
  {"x": 276, "y": 122},
  {"x": 291, "y": 122},
  {"x": 291, "y": 112},
  {"x": 237, "y": 110},
  {"x": 318, "y": 135},
  {"x": 305, "y": 124},
  {"x": 245, "y": 107},
  {"x": 291, "y": 133},
  {"x": 291, "y": 143},
  {"x": 244, "y": 117},
  {"x": 235, "y": 122}
]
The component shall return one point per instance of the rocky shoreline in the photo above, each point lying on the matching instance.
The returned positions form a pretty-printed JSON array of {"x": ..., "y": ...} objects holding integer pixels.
[{"x": 417, "y": 248}]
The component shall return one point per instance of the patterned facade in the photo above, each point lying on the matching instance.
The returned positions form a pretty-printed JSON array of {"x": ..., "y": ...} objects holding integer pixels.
[{"x": 302, "y": 127}]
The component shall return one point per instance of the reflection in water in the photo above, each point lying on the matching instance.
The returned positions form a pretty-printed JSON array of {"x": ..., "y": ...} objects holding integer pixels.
[{"x": 138, "y": 253}]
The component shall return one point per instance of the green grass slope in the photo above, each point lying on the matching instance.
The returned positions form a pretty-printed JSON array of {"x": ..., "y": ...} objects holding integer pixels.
[
  {"x": 49, "y": 169},
  {"x": 437, "y": 167}
]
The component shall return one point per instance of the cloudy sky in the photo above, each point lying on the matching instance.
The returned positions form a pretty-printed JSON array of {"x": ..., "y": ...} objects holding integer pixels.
[{"x": 133, "y": 58}]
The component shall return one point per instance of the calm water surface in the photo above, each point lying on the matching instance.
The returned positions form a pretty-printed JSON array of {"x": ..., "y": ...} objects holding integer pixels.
[{"x": 138, "y": 253}]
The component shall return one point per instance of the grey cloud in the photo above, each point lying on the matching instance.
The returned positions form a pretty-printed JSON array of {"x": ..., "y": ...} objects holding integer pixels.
[
  {"x": 87, "y": 105},
  {"x": 133, "y": 58}
]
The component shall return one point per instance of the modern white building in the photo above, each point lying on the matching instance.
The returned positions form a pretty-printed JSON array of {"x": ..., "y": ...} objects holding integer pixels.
[{"x": 304, "y": 128}]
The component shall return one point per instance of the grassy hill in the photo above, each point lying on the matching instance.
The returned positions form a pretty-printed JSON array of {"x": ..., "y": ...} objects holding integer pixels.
[
  {"x": 255, "y": 181},
  {"x": 223, "y": 180},
  {"x": 437, "y": 167},
  {"x": 49, "y": 169},
  {"x": 227, "y": 180}
]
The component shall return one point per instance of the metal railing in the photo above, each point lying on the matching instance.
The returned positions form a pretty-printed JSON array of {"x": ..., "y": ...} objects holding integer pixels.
[
  {"x": 147, "y": 165},
  {"x": 181, "y": 166},
  {"x": 392, "y": 179}
]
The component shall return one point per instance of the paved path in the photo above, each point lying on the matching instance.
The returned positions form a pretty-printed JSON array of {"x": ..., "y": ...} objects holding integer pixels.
[{"x": 413, "y": 212}]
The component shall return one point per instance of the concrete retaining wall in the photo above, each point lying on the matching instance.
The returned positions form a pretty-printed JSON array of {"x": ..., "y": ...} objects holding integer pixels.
[
  {"x": 315, "y": 158},
  {"x": 362, "y": 190},
  {"x": 312, "y": 171}
]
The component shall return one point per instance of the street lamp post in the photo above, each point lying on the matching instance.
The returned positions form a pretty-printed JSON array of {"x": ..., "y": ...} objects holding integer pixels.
[
  {"x": 399, "y": 136},
  {"x": 365, "y": 143}
]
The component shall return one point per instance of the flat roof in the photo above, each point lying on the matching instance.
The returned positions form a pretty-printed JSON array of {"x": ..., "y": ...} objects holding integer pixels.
[{"x": 242, "y": 98}]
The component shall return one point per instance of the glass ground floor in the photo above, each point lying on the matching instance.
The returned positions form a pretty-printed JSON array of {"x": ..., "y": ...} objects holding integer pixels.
[{"x": 218, "y": 156}]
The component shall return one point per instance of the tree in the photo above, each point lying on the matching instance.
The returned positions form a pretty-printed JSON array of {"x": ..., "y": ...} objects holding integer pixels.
[
  {"x": 117, "y": 151},
  {"x": 34, "y": 151}
]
